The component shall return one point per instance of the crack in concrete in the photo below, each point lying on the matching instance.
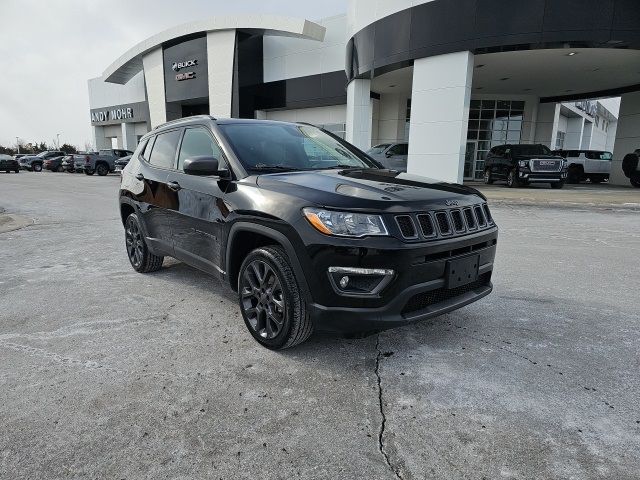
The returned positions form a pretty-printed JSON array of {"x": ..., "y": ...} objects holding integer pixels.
[{"x": 383, "y": 423}]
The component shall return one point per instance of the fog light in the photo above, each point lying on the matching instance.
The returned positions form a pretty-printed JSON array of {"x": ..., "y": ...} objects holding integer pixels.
[{"x": 352, "y": 281}]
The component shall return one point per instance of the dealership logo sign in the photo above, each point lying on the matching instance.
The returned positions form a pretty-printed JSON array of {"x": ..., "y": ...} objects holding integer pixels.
[
  {"x": 177, "y": 66},
  {"x": 114, "y": 114},
  {"x": 185, "y": 76}
]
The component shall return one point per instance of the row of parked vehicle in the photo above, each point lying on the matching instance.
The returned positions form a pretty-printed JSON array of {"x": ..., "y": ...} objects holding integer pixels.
[
  {"x": 523, "y": 164},
  {"x": 103, "y": 162}
]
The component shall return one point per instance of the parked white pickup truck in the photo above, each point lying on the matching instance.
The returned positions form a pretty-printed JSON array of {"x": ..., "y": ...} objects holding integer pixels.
[{"x": 594, "y": 165}]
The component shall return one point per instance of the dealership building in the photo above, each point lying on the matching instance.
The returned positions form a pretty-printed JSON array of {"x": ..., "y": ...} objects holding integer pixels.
[{"x": 453, "y": 78}]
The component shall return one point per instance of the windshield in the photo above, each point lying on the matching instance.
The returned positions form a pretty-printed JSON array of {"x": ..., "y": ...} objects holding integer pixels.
[
  {"x": 378, "y": 149},
  {"x": 41, "y": 154},
  {"x": 275, "y": 146},
  {"x": 528, "y": 150}
]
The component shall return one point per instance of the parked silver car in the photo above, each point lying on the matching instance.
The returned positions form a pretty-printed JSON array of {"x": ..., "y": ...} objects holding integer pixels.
[{"x": 391, "y": 155}]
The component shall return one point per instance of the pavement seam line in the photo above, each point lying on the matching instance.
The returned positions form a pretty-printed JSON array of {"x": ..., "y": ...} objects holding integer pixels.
[{"x": 383, "y": 421}]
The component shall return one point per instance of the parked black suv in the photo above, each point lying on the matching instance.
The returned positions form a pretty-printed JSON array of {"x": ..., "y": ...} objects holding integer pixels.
[
  {"x": 310, "y": 231},
  {"x": 524, "y": 164}
]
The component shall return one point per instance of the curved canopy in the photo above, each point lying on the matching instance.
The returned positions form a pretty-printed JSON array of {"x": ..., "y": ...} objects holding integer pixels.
[{"x": 129, "y": 64}]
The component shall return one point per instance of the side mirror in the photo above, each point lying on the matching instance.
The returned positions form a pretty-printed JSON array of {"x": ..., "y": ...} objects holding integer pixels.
[{"x": 203, "y": 166}]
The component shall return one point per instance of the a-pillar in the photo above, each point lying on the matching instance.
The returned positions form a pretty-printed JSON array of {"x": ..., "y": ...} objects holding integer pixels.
[
  {"x": 627, "y": 135},
  {"x": 440, "y": 99},
  {"x": 359, "y": 113}
]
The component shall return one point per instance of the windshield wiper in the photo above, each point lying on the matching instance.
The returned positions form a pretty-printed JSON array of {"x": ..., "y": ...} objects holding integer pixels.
[
  {"x": 263, "y": 167},
  {"x": 342, "y": 167}
]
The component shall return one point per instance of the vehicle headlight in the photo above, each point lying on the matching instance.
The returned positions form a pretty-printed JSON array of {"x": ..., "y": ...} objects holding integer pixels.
[
  {"x": 524, "y": 164},
  {"x": 345, "y": 224}
]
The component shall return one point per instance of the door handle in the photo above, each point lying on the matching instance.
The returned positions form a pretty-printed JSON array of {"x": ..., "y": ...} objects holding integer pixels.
[
  {"x": 140, "y": 177},
  {"x": 175, "y": 186}
]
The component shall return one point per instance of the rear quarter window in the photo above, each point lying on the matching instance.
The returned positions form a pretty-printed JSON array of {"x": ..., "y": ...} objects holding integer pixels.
[{"x": 163, "y": 153}]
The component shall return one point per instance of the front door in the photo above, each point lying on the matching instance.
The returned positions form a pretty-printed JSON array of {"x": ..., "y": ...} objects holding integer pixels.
[{"x": 199, "y": 215}]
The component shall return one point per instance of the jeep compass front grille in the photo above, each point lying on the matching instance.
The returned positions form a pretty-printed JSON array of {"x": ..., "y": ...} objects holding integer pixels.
[{"x": 444, "y": 223}]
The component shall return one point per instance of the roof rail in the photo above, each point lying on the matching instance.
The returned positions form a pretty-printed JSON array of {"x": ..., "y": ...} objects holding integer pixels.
[{"x": 184, "y": 119}]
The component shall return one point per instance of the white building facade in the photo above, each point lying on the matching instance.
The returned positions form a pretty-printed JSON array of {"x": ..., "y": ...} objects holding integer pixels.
[{"x": 453, "y": 86}]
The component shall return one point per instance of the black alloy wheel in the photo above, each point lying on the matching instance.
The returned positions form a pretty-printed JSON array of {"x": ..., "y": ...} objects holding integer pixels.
[
  {"x": 263, "y": 300},
  {"x": 37, "y": 167},
  {"x": 273, "y": 305},
  {"x": 488, "y": 178},
  {"x": 142, "y": 260},
  {"x": 635, "y": 179},
  {"x": 512, "y": 179}
]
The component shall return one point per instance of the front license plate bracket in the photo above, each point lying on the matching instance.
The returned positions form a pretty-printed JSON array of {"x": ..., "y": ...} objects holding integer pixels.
[{"x": 462, "y": 271}]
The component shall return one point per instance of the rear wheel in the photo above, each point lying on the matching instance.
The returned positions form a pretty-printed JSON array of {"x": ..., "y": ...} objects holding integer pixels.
[
  {"x": 142, "y": 260},
  {"x": 37, "y": 167},
  {"x": 102, "y": 169},
  {"x": 596, "y": 179},
  {"x": 635, "y": 179},
  {"x": 272, "y": 304},
  {"x": 17, "y": 170},
  {"x": 88, "y": 172},
  {"x": 512, "y": 179},
  {"x": 574, "y": 174},
  {"x": 557, "y": 185},
  {"x": 488, "y": 178}
]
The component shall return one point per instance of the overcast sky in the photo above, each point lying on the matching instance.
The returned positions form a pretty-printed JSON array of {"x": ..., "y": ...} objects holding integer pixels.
[{"x": 49, "y": 49}]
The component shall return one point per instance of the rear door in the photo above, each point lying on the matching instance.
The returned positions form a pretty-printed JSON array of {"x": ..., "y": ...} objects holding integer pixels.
[
  {"x": 156, "y": 199},
  {"x": 199, "y": 214}
]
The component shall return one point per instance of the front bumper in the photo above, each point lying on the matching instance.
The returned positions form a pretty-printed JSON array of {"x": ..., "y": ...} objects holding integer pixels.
[
  {"x": 417, "y": 292},
  {"x": 542, "y": 177}
]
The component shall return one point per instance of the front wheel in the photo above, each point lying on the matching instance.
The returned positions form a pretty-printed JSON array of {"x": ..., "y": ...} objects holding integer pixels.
[
  {"x": 512, "y": 179},
  {"x": 635, "y": 179},
  {"x": 272, "y": 305},
  {"x": 488, "y": 178},
  {"x": 88, "y": 172},
  {"x": 37, "y": 167},
  {"x": 142, "y": 260},
  {"x": 557, "y": 185}
]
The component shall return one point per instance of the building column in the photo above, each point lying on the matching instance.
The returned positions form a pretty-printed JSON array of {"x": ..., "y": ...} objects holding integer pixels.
[
  {"x": 546, "y": 127},
  {"x": 154, "y": 82},
  {"x": 575, "y": 130},
  {"x": 392, "y": 118},
  {"x": 359, "y": 113},
  {"x": 627, "y": 135},
  {"x": 220, "y": 59},
  {"x": 441, "y": 95},
  {"x": 99, "y": 140},
  {"x": 129, "y": 139}
]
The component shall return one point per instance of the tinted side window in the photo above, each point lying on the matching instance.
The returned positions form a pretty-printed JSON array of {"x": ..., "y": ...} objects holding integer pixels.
[
  {"x": 140, "y": 148},
  {"x": 400, "y": 149},
  {"x": 146, "y": 153},
  {"x": 198, "y": 143},
  {"x": 163, "y": 154}
]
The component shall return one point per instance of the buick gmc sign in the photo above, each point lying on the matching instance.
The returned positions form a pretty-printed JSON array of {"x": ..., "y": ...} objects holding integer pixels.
[{"x": 177, "y": 66}]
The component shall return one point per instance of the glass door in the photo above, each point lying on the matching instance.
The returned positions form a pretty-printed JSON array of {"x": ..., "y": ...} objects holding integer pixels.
[{"x": 469, "y": 159}]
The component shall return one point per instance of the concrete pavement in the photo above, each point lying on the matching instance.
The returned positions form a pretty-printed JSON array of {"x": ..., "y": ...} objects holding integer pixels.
[{"x": 106, "y": 373}]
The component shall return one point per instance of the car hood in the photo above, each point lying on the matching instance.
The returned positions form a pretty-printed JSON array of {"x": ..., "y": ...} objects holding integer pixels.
[
  {"x": 538, "y": 157},
  {"x": 370, "y": 189}
]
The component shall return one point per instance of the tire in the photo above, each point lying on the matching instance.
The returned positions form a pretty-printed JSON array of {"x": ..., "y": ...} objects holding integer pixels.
[
  {"x": 557, "y": 185},
  {"x": 56, "y": 169},
  {"x": 102, "y": 169},
  {"x": 488, "y": 178},
  {"x": 512, "y": 179},
  {"x": 574, "y": 175},
  {"x": 7, "y": 171},
  {"x": 88, "y": 172},
  {"x": 17, "y": 170},
  {"x": 635, "y": 179},
  {"x": 141, "y": 259},
  {"x": 268, "y": 292},
  {"x": 36, "y": 167}
]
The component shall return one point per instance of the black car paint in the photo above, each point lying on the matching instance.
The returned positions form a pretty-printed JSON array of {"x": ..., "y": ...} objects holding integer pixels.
[
  {"x": 204, "y": 221},
  {"x": 500, "y": 164}
]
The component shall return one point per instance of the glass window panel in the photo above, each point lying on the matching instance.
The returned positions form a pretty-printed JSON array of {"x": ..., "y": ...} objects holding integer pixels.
[
  {"x": 503, "y": 104},
  {"x": 517, "y": 105},
  {"x": 515, "y": 125},
  {"x": 473, "y": 124},
  {"x": 496, "y": 143},
  {"x": 484, "y": 135},
  {"x": 474, "y": 114},
  {"x": 472, "y": 134},
  {"x": 499, "y": 125},
  {"x": 489, "y": 104},
  {"x": 163, "y": 154},
  {"x": 516, "y": 115},
  {"x": 484, "y": 145},
  {"x": 485, "y": 125},
  {"x": 482, "y": 155},
  {"x": 513, "y": 137},
  {"x": 475, "y": 103},
  {"x": 487, "y": 114},
  {"x": 502, "y": 113}
]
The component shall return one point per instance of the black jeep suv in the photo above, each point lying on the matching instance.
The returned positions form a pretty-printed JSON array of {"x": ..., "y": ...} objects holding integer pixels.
[
  {"x": 524, "y": 164},
  {"x": 310, "y": 232}
]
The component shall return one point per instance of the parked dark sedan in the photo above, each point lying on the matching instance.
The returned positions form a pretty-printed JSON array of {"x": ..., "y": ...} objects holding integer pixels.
[
  {"x": 9, "y": 164},
  {"x": 54, "y": 164}
]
